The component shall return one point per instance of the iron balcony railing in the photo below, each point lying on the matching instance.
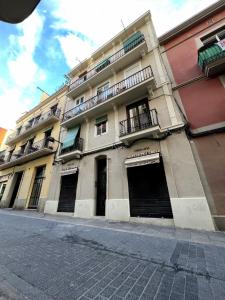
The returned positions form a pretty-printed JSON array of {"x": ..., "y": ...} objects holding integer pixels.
[
  {"x": 37, "y": 146},
  {"x": 143, "y": 121},
  {"x": 209, "y": 54},
  {"x": 36, "y": 121},
  {"x": 115, "y": 90},
  {"x": 78, "y": 145},
  {"x": 108, "y": 61}
]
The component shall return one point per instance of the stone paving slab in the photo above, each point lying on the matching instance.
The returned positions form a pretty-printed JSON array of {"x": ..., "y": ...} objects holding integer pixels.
[{"x": 61, "y": 258}]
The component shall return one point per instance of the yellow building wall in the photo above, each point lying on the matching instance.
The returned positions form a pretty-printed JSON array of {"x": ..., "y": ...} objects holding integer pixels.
[{"x": 29, "y": 168}]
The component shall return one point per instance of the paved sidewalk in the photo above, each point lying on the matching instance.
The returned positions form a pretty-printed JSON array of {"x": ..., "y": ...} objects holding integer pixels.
[{"x": 48, "y": 257}]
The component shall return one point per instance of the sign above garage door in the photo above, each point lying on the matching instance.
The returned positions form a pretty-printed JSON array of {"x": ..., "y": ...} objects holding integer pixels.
[{"x": 142, "y": 159}]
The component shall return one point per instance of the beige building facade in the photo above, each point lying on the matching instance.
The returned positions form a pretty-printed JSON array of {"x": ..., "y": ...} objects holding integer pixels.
[
  {"x": 124, "y": 154},
  {"x": 28, "y": 155}
]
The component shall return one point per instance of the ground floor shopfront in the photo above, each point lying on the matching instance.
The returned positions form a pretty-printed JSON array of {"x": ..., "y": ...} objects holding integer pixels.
[
  {"x": 150, "y": 181},
  {"x": 209, "y": 153},
  {"x": 26, "y": 186}
]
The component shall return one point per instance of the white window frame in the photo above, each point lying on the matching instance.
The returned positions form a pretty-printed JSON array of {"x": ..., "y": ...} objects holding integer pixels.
[
  {"x": 79, "y": 99},
  {"x": 131, "y": 67},
  {"x": 103, "y": 84},
  {"x": 198, "y": 40},
  {"x": 102, "y": 133}
]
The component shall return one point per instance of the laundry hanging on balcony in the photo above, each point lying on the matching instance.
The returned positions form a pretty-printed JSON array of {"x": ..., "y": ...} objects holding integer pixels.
[{"x": 70, "y": 137}]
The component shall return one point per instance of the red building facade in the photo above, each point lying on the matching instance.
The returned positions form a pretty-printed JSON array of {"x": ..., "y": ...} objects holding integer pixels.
[{"x": 194, "y": 56}]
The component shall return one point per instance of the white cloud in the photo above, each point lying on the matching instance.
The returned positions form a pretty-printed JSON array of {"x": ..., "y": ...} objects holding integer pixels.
[
  {"x": 100, "y": 20},
  {"x": 74, "y": 48},
  {"x": 18, "y": 90}
]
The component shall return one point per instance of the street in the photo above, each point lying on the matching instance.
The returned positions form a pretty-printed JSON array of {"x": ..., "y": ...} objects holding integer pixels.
[{"x": 47, "y": 257}]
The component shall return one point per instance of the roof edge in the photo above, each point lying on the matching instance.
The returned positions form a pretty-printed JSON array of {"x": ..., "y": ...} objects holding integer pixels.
[
  {"x": 44, "y": 102},
  {"x": 189, "y": 23},
  {"x": 100, "y": 49}
]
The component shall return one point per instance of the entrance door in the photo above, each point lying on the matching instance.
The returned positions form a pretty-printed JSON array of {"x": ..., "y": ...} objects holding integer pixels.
[
  {"x": 148, "y": 192},
  {"x": 68, "y": 191},
  {"x": 16, "y": 188},
  {"x": 138, "y": 116},
  {"x": 2, "y": 189},
  {"x": 101, "y": 186},
  {"x": 47, "y": 135},
  {"x": 36, "y": 190}
]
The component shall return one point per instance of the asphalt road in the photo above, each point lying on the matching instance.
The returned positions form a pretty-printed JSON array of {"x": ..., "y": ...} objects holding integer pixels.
[{"x": 43, "y": 257}]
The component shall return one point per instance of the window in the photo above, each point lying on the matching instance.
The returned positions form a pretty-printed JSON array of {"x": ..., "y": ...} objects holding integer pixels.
[
  {"x": 22, "y": 148},
  {"x": 30, "y": 123},
  {"x": 80, "y": 100},
  {"x": 102, "y": 88},
  {"x": 214, "y": 37},
  {"x": 132, "y": 70},
  {"x": 2, "y": 155},
  {"x": 47, "y": 135},
  {"x": 82, "y": 77},
  {"x": 103, "y": 92},
  {"x": 70, "y": 139},
  {"x": 29, "y": 144},
  {"x": 54, "y": 108},
  {"x": 37, "y": 119},
  {"x": 132, "y": 41},
  {"x": 18, "y": 130},
  {"x": 101, "y": 125},
  {"x": 138, "y": 116},
  {"x": 10, "y": 154}
]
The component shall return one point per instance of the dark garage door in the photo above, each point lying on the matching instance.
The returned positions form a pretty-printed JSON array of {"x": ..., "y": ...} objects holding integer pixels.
[
  {"x": 68, "y": 193},
  {"x": 148, "y": 192}
]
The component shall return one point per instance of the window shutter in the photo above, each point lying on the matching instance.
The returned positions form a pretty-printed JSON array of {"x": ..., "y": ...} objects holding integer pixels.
[
  {"x": 101, "y": 120},
  {"x": 131, "y": 42},
  {"x": 70, "y": 137}
]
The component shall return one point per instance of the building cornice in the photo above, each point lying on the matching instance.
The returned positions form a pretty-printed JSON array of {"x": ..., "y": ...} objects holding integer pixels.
[
  {"x": 108, "y": 45},
  {"x": 193, "y": 21}
]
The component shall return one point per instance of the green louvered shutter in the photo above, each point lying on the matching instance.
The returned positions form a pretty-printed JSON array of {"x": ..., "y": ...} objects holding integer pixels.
[
  {"x": 132, "y": 41},
  {"x": 209, "y": 54},
  {"x": 101, "y": 120},
  {"x": 102, "y": 65},
  {"x": 70, "y": 137}
]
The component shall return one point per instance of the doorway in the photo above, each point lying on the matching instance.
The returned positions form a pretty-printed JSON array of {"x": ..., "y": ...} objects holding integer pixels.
[
  {"x": 138, "y": 116},
  {"x": 148, "y": 192},
  {"x": 47, "y": 135},
  {"x": 2, "y": 189},
  {"x": 101, "y": 184},
  {"x": 68, "y": 192},
  {"x": 36, "y": 190},
  {"x": 16, "y": 188}
]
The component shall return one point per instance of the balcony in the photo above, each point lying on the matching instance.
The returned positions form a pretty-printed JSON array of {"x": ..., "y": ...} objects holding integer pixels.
[
  {"x": 126, "y": 90},
  {"x": 118, "y": 61},
  {"x": 74, "y": 151},
  {"x": 34, "y": 151},
  {"x": 211, "y": 59},
  {"x": 46, "y": 119},
  {"x": 142, "y": 126}
]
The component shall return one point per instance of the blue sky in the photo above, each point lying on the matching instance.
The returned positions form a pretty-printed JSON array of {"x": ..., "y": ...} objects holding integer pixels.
[{"x": 59, "y": 34}]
